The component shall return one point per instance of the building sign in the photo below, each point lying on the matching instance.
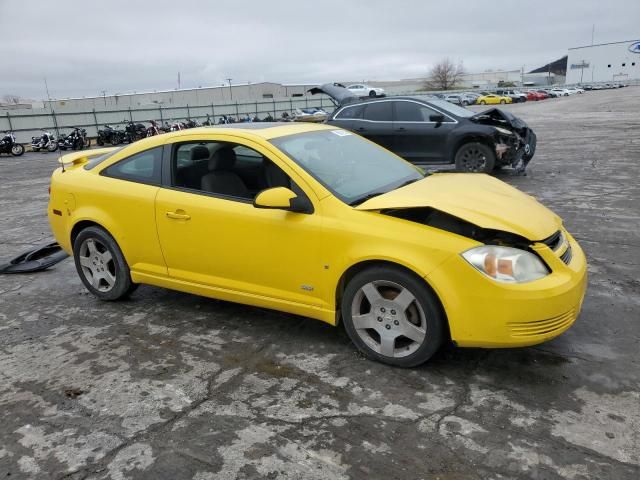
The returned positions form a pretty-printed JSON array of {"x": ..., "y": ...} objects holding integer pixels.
[
  {"x": 634, "y": 47},
  {"x": 582, "y": 64}
]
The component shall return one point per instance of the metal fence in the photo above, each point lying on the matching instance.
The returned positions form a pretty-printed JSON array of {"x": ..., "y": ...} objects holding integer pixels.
[{"x": 26, "y": 125}]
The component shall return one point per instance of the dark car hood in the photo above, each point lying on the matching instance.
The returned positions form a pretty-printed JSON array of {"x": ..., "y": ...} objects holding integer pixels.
[
  {"x": 337, "y": 92},
  {"x": 497, "y": 117}
]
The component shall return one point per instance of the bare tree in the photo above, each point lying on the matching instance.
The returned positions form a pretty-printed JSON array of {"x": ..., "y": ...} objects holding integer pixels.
[{"x": 444, "y": 75}]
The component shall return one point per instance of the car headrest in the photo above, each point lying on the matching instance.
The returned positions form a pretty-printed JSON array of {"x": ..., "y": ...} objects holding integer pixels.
[
  {"x": 222, "y": 159},
  {"x": 199, "y": 152}
]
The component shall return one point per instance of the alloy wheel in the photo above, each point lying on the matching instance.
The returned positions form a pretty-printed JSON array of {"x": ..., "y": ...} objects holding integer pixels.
[
  {"x": 388, "y": 318},
  {"x": 97, "y": 264},
  {"x": 473, "y": 159}
]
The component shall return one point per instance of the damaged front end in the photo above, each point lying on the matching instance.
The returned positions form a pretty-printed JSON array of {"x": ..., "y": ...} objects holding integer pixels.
[
  {"x": 515, "y": 143},
  {"x": 450, "y": 223}
]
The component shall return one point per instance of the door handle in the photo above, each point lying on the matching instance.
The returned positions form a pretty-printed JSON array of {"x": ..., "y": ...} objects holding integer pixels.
[
  {"x": 400, "y": 129},
  {"x": 178, "y": 215}
]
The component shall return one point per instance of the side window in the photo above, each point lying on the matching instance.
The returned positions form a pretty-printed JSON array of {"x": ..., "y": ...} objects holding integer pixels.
[
  {"x": 412, "y": 112},
  {"x": 225, "y": 169},
  {"x": 143, "y": 167},
  {"x": 350, "y": 113},
  {"x": 378, "y": 111}
]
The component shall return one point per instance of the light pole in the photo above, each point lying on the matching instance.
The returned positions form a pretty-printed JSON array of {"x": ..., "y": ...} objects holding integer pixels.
[{"x": 230, "y": 89}]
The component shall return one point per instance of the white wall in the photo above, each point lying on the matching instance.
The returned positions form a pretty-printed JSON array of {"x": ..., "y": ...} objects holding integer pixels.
[{"x": 603, "y": 63}]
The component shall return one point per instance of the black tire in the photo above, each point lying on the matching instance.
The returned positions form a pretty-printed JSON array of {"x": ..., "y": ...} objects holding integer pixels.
[
  {"x": 100, "y": 141},
  {"x": 475, "y": 157},
  {"x": 503, "y": 101},
  {"x": 117, "y": 267},
  {"x": 482, "y": 102},
  {"x": 17, "y": 150},
  {"x": 424, "y": 303},
  {"x": 372, "y": 94},
  {"x": 53, "y": 146}
]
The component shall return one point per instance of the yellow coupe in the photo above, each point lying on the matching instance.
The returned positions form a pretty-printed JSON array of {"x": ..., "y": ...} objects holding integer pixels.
[
  {"x": 492, "y": 99},
  {"x": 317, "y": 221}
]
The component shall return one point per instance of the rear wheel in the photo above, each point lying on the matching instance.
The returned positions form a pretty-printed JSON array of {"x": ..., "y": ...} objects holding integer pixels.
[
  {"x": 503, "y": 101},
  {"x": 475, "y": 157},
  {"x": 392, "y": 317},
  {"x": 372, "y": 93},
  {"x": 482, "y": 102},
  {"x": 101, "y": 265},
  {"x": 17, "y": 150}
]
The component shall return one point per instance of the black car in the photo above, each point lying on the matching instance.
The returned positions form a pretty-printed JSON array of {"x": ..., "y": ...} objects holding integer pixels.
[{"x": 427, "y": 130}]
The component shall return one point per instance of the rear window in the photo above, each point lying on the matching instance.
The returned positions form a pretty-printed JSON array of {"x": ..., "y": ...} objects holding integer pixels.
[{"x": 95, "y": 161}]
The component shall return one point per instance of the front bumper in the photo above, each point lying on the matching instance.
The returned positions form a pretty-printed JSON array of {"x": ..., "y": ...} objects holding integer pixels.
[{"x": 485, "y": 313}]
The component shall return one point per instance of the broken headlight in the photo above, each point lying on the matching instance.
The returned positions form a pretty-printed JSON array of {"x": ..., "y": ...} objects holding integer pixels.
[
  {"x": 503, "y": 131},
  {"x": 506, "y": 264}
]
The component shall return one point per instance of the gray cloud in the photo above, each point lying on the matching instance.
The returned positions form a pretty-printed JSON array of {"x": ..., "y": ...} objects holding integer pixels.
[{"x": 124, "y": 46}]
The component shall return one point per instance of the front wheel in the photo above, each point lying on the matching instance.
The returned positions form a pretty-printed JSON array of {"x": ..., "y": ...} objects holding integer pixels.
[
  {"x": 482, "y": 102},
  {"x": 372, "y": 93},
  {"x": 392, "y": 316},
  {"x": 17, "y": 150},
  {"x": 503, "y": 101},
  {"x": 100, "y": 141},
  {"x": 101, "y": 265},
  {"x": 475, "y": 157},
  {"x": 52, "y": 147}
]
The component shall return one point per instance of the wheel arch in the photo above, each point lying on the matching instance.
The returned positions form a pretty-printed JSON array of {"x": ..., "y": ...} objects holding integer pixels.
[
  {"x": 363, "y": 265},
  {"x": 81, "y": 225},
  {"x": 470, "y": 138}
]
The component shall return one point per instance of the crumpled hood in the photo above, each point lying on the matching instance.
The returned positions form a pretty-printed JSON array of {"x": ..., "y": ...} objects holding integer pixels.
[
  {"x": 477, "y": 198},
  {"x": 498, "y": 117}
]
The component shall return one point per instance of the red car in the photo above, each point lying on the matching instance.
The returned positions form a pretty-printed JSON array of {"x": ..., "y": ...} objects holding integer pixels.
[
  {"x": 531, "y": 96},
  {"x": 542, "y": 94}
]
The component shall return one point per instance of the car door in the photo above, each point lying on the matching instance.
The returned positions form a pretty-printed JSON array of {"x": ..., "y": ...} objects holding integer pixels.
[
  {"x": 419, "y": 139},
  {"x": 222, "y": 241},
  {"x": 357, "y": 90},
  {"x": 377, "y": 123}
]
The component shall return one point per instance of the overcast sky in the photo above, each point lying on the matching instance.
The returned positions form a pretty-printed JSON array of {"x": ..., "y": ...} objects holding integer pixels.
[{"x": 83, "y": 48}]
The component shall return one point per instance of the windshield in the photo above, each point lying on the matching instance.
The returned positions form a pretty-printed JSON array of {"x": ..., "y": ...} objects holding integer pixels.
[
  {"x": 352, "y": 168},
  {"x": 451, "y": 108}
]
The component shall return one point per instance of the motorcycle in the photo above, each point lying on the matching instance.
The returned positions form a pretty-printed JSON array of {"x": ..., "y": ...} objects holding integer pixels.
[
  {"x": 176, "y": 126},
  {"x": 208, "y": 122},
  {"x": 45, "y": 142},
  {"x": 134, "y": 131},
  {"x": 109, "y": 135},
  {"x": 153, "y": 130},
  {"x": 8, "y": 144},
  {"x": 76, "y": 140}
]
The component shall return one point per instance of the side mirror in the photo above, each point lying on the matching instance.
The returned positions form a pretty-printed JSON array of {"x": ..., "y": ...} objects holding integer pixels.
[
  {"x": 438, "y": 118},
  {"x": 282, "y": 198}
]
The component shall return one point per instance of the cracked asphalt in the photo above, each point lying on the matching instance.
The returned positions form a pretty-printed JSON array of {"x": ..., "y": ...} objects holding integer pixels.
[{"x": 173, "y": 386}]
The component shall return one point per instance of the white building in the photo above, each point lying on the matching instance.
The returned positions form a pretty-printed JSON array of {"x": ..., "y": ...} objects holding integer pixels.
[{"x": 606, "y": 62}]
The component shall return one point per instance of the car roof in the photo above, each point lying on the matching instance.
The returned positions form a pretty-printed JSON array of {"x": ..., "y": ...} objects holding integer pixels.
[{"x": 265, "y": 130}]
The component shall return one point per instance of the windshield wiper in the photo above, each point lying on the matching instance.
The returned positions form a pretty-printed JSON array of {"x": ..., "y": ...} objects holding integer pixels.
[
  {"x": 368, "y": 196},
  {"x": 408, "y": 182}
]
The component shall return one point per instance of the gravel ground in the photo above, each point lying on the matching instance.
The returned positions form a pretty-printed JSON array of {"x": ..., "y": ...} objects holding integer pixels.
[{"x": 170, "y": 385}]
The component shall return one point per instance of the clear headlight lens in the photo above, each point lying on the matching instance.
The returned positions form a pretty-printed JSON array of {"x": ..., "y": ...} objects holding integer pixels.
[
  {"x": 506, "y": 264},
  {"x": 503, "y": 131}
]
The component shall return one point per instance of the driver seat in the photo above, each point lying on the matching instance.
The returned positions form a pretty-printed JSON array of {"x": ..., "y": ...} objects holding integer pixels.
[{"x": 221, "y": 177}]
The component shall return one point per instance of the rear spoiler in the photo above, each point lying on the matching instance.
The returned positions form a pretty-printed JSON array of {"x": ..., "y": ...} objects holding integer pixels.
[{"x": 83, "y": 156}]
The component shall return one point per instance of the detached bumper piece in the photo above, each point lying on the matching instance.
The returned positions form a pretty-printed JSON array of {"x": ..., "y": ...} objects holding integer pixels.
[{"x": 35, "y": 259}]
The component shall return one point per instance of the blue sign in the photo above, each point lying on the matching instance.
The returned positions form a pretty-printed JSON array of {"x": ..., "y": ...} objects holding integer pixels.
[{"x": 634, "y": 47}]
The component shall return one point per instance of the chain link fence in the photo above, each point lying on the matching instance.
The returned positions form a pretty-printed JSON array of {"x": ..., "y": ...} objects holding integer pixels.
[{"x": 26, "y": 125}]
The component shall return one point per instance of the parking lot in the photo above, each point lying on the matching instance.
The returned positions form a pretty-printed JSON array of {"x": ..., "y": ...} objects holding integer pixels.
[{"x": 170, "y": 385}]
